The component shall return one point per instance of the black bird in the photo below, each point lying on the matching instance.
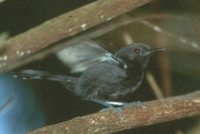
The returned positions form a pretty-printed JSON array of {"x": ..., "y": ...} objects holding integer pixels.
[{"x": 104, "y": 77}]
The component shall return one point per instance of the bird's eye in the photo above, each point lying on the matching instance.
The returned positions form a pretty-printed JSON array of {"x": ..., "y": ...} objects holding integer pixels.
[{"x": 137, "y": 51}]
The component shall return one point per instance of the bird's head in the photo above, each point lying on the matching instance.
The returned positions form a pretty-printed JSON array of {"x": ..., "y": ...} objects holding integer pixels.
[{"x": 136, "y": 54}]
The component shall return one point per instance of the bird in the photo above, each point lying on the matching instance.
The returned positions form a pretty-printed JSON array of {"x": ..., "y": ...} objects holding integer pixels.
[{"x": 104, "y": 77}]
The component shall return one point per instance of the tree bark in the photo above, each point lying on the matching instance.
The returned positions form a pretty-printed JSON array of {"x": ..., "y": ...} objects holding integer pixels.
[
  {"x": 18, "y": 50},
  {"x": 110, "y": 121}
]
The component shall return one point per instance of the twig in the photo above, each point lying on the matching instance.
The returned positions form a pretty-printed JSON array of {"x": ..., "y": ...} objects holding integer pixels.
[
  {"x": 128, "y": 39},
  {"x": 177, "y": 37},
  {"x": 61, "y": 27},
  {"x": 164, "y": 64},
  {"x": 154, "y": 86},
  {"x": 109, "y": 121}
]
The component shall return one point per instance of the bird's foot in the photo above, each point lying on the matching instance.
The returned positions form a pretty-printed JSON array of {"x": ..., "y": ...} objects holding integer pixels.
[
  {"x": 119, "y": 110},
  {"x": 118, "y": 106},
  {"x": 124, "y": 104},
  {"x": 115, "y": 106},
  {"x": 136, "y": 104}
]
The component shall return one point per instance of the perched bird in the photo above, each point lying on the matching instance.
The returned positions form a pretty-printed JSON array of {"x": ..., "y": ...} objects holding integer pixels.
[{"x": 104, "y": 77}]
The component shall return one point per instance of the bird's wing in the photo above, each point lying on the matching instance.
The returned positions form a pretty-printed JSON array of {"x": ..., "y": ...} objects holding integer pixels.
[
  {"x": 37, "y": 75},
  {"x": 80, "y": 56}
]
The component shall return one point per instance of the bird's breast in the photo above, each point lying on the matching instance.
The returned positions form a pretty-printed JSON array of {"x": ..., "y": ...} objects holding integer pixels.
[{"x": 105, "y": 81}]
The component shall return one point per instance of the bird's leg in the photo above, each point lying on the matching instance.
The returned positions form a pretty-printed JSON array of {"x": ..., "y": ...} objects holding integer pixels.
[
  {"x": 125, "y": 104},
  {"x": 119, "y": 106},
  {"x": 117, "y": 103},
  {"x": 103, "y": 103},
  {"x": 115, "y": 106}
]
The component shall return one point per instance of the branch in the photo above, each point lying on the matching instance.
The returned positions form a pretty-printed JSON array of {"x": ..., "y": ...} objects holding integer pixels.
[
  {"x": 16, "y": 49},
  {"x": 108, "y": 121}
]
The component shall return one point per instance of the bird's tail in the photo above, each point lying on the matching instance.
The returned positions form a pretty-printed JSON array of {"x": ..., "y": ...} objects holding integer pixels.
[{"x": 67, "y": 81}]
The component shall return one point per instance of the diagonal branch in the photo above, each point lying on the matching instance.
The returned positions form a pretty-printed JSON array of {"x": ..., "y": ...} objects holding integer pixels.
[
  {"x": 108, "y": 121},
  {"x": 16, "y": 49}
]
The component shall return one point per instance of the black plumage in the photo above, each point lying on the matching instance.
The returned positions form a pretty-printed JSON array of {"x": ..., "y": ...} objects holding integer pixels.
[{"x": 104, "y": 77}]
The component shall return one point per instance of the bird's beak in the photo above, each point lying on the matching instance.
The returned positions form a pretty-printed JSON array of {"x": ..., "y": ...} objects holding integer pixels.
[{"x": 153, "y": 50}]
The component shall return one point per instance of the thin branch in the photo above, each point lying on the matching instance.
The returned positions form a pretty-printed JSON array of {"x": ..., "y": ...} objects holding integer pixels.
[
  {"x": 64, "y": 26},
  {"x": 177, "y": 37},
  {"x": 109, "y": 121},
  {"x": 154, "y": 85},
  {"x": 164, "y": 64}
]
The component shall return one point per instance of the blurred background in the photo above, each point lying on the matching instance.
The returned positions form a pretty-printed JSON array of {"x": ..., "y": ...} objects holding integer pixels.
[{"x": 174, "y": 25}]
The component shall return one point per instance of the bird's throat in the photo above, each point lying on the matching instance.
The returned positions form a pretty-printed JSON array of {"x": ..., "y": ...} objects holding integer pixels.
[{"x": 135, "y": 72}]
